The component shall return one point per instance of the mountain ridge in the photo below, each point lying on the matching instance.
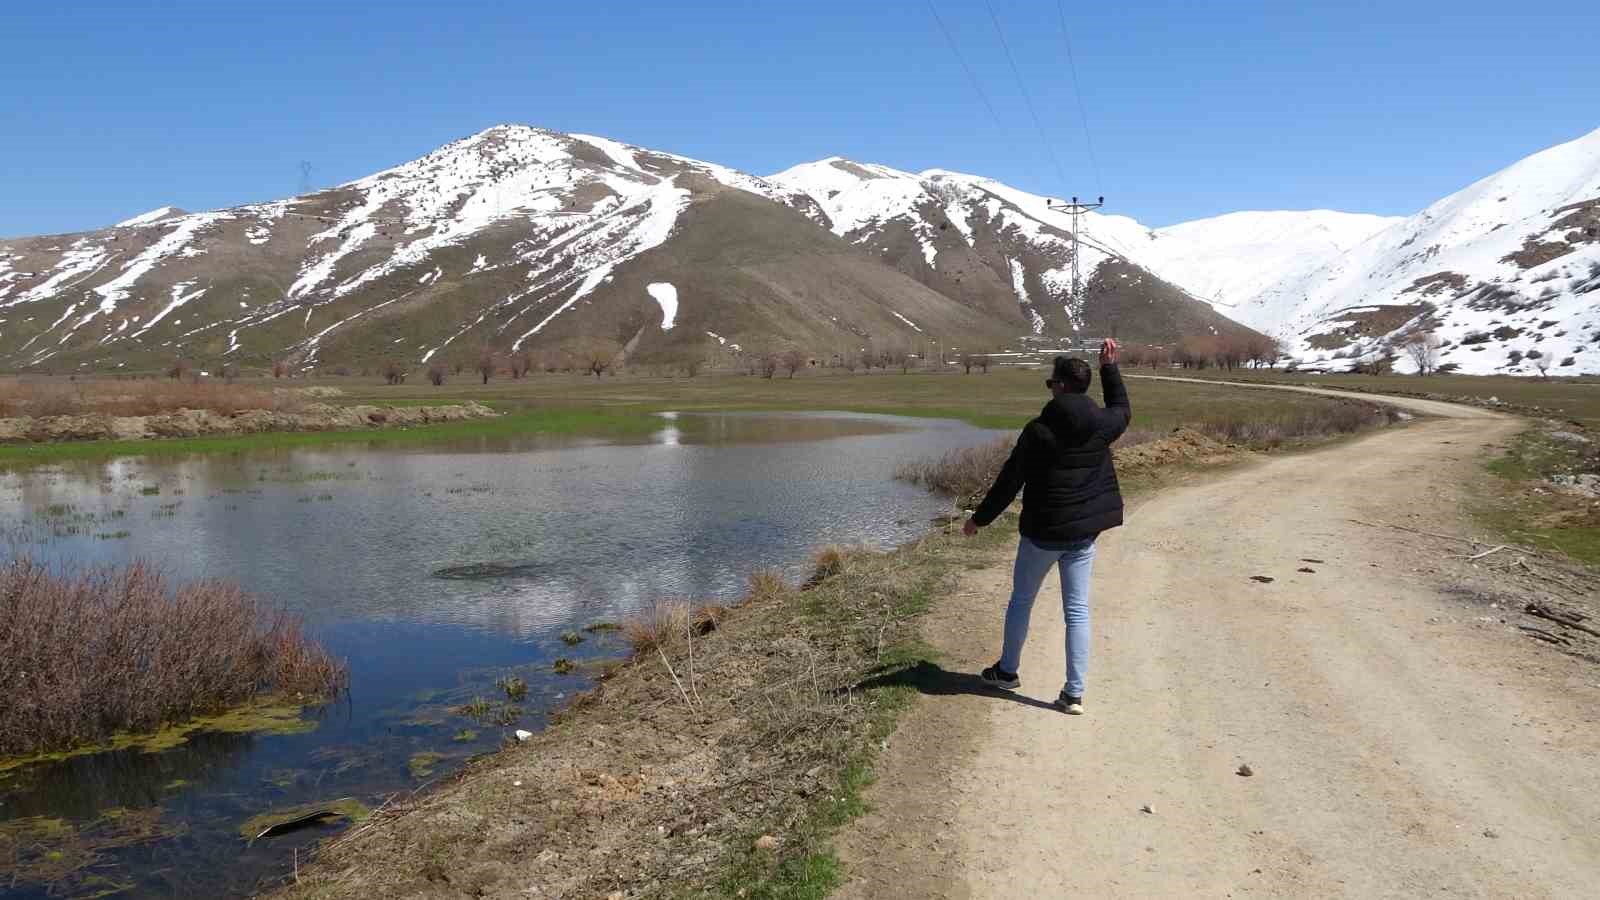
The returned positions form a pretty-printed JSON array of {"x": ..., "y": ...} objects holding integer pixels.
[{"x": 519, "y": 237}]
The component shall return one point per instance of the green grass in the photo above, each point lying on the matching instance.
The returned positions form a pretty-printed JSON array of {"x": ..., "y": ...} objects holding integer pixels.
[
  {"x": 1525, "y": 509},
  {"x": 624, "y": 408}
]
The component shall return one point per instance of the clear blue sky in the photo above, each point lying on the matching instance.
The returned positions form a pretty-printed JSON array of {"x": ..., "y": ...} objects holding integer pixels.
[{"x": 1194, "y": 108}]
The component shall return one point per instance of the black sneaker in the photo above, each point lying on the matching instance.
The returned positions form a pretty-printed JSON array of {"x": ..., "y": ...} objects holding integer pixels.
[
  {"x": 994, "y": 676},
  {"x": 1072, "y": 706}
]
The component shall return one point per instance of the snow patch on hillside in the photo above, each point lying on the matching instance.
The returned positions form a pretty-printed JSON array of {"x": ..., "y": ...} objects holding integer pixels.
[
  {"x": 666, "y": 296},
  {"x": 907, "y": 321},
  {"x": 148, "y": 218}
]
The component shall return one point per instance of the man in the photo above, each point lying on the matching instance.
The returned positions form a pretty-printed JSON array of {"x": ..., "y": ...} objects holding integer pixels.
[{"x": 1062, "y": 465}]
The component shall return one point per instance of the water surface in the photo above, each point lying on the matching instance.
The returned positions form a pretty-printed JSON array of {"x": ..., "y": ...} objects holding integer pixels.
[{"x": 546, "y": 535}]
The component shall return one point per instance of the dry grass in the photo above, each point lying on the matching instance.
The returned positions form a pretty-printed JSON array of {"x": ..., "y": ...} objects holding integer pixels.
[
  {"x": 85, "y": 655},
  {"x": 667, "y": 624},
  {"x": 136, "y": 398},
  {"x": 827, "y": 562},
  {"x": 1268, "y": 432},
  {"x": 963, "y": 474},
  {"x": 967, "y": 473}
]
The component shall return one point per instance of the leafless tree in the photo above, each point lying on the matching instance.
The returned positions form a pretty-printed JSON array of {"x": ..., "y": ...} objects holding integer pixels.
[
  {"x": 792, "y": 360},
  {"x": 486, "y": 363},
  {"x": 595, "y": 355},
  {"x": 1423, "y": 351}
]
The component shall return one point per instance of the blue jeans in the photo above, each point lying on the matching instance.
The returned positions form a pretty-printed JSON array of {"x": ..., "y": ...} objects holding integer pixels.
[{"x": 1075, "y": 560}]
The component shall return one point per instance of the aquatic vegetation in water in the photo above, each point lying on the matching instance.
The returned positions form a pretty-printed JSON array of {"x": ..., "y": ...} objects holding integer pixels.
[
  {"x": 268, "y": 716},
  {"x": 68, "y": 856},
  {"x": 602, "y": 627},
  {"x": 563, "y": 666},
  {"x": 465, "y": 736},
  {"x": 571, "y": 638},
  {"x": 476, "y": 708},
  {"x": 513, "y": 685},
  {"x": 347, "y": 808},
  {"x": 421, "y": 765}
]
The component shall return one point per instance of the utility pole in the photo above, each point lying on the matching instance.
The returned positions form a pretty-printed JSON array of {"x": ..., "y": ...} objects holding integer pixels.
[{"x": 1075, "y": 209}]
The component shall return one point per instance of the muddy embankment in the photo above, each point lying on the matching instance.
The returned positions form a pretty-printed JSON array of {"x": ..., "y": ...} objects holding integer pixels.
[{"x": 188, "y": 423}]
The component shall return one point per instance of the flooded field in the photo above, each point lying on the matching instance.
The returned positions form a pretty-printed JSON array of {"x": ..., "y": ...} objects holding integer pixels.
[{"x": 462, "y": 582}]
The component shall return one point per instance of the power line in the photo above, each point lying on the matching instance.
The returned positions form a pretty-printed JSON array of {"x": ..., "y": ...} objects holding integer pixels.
[
  {"x": 1061, "y": 173},
  {"x": 1072, "y": 66},
  {"x": 970, "y": 75}
]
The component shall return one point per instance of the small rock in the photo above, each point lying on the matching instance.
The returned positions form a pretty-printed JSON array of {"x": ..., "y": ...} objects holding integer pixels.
[
  {"x": 1147, "y": 808},
  {"x": 1490, "y": 833},
  {"x": 766, "y": 842},
  {"x": 1310, "y": 560},
  {"x": 1568, "y": 437},
  {"x": 1263, "y": 579},
  {"x": 1307, "y": 569},
  {"x": 523, "y": 735},
  {"x": 1246, "y": 771},
  {"x": 516, "y": 784}
]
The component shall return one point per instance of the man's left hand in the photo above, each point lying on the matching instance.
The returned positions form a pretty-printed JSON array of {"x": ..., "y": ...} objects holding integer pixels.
[
  {"x": 1109, "y": 352},
  {"x": 970, "y": 529}
]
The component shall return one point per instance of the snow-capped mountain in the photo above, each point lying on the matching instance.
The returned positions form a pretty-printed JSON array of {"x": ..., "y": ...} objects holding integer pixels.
[
  {"x": 515, "y": 237},
  {"x": 1004, "y": 250},
  {"x": 1505, "y": 272},
  {"x": 521, "y": 238}
]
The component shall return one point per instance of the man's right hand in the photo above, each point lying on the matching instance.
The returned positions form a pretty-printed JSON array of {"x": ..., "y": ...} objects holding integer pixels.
[{"x": 1108, "y": 352}]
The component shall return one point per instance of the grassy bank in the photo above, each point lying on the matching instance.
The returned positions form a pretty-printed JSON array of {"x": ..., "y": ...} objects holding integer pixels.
[
  {"x": 103, "y": 655},
  {"x": 623, "y": 407},
  {"x": 1542, "y": 498}
]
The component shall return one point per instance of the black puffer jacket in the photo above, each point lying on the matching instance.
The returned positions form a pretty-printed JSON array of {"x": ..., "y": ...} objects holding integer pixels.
[{"x": 1064, "y": 459}]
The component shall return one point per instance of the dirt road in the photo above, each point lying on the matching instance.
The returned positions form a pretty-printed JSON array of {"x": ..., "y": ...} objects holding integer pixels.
[{"x": 1403, "y": 742}]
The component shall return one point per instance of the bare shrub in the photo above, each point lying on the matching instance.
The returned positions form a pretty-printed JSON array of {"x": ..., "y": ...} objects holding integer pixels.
[
  {"x": 1314, "y": 421},
  {"x": 964, "y": 474},
  {"x": 92, "y": 653}
]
